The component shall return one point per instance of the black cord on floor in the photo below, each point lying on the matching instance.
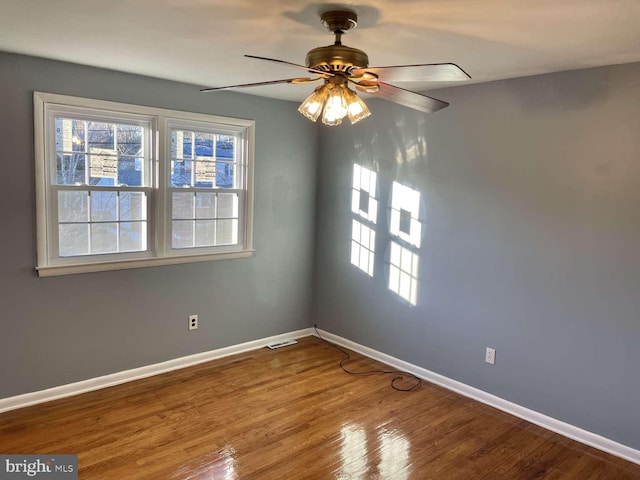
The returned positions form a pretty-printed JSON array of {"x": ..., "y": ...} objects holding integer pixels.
[{"x": 399, "y": 375}]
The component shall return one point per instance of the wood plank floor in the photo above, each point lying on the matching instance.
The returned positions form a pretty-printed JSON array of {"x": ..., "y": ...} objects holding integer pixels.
[{"x": 293, "y": 414}]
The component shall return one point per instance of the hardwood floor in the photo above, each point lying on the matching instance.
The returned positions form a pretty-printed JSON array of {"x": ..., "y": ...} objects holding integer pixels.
[{"x": 293, "y": 414}]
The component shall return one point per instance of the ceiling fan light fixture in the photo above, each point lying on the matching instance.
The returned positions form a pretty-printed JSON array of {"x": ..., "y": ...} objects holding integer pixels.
[
  {"x": 335, "y": 101},
  {"x": 356, "y": 109},
  {"x": 312, "y": 105},
  {"x": 335, "y": 107}
]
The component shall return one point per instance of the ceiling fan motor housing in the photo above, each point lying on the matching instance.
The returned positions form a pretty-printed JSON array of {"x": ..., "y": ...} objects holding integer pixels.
[{"x": 337, "y": 58}]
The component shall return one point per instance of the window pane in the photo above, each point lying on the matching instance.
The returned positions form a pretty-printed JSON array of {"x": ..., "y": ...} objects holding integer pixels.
[
  {"x": 182, "y": 234},
  {"x": 104, "y": 206},
  {"x": 225, "y": 147},
  {"x": 73, "y": 240},
  {"x": 133, "y": 206},
  {"x": 205, "y": 233},
  {"x": 73, "y": 206},
  {"x": 70, "y": 169},
  {"x": 204, "y": 145},
  {"x": 103, "y": 166},
  {"x": 182, "y": 205},
  {"x": 130, "y": 171},
  {"x": 130, "y": 140},
  {"x": 181, "y": 173},
  {"x": 70, "y": 135},
  {"x": 180, "y": 144},
  {"x": 205, "y": 174},
  {"x": 225, "y": 175},
  {"x": 206, "y": 205},
  {"x": 227, "y": 232},
  {"x": 104, "y": 237},
  {"x": 133, "y": 236},
  {"x": 227, "y": 205},
  {"x": 101, "y": 135}
]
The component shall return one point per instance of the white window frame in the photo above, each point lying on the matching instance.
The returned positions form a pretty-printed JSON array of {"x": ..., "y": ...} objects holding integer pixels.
[
  {"x": 159, "y": 251},
  {"x": 182, "y": 124}
]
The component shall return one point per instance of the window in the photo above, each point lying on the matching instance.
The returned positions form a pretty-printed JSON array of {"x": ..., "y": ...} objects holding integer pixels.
[
  {"x": 100, "y": 191},
  {"x": 206, "y": 188},
  {"x": 405, "y": 227},
  {"x": 124, "y": 186},
  {"x": 364, "y": 206}
]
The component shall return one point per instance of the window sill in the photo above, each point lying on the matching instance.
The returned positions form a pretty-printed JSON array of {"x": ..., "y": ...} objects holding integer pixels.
[{"x": 57, "y": 270}]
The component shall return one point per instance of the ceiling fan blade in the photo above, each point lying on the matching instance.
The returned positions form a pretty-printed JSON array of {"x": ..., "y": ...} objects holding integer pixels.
[
  {"x": 259, "y": 84},
  {"x": 295, "y": 65},
  {"x": 410, "y": 99},
  {"x": 429, "y": 72}
]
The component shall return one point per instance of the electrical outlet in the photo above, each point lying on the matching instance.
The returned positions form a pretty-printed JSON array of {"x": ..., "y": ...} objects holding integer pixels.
[
  {"x": 193, "y": 322},
  {"x": 490, "y": 356}
]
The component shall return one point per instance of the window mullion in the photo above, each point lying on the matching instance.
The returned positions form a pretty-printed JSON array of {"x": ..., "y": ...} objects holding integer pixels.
[
  {"x": 117, "y": 219},
  {"x": 89, "y": 224}
]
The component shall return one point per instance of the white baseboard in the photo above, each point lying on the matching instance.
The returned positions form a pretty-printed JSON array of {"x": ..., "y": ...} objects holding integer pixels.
[
  {"x": 27, "y": 399},
  {"x": 544, "y": 421}
]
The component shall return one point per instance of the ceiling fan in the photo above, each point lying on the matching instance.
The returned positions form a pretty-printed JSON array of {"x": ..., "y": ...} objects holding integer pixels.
[{"x": 339, "y": 65}]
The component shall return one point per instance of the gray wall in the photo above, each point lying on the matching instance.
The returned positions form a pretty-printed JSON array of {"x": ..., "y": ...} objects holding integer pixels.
[
  {"x": 531, "y": 191},
  {"x": 531, "y": 243},
  {"x": 64, "y": 329}
]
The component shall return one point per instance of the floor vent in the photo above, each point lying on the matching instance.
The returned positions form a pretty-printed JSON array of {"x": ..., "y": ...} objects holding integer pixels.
[{"x": 286, "y": 343}]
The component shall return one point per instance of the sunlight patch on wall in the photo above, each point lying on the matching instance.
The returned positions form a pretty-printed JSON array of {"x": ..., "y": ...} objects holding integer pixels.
[
  {"x": 405, "y": 211},
  {"x": 403, "y": 273},
  {"x": 406, "y": 231},
  {"x": 364, "y": 202},
  {"x": 364, "y": 206}
]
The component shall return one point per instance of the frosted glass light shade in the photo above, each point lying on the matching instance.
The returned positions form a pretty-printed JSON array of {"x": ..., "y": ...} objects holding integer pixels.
[{"x": 312, "y": 106}]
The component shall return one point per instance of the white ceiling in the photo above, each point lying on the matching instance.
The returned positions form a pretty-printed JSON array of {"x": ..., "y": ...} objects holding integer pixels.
[{"x": 203, "y": 41}]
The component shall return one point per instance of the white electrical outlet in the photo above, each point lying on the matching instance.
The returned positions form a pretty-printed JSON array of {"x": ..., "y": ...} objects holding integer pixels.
[
  {"x": 193, "y": 322},
  {"x": 490, "y": 356}
]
